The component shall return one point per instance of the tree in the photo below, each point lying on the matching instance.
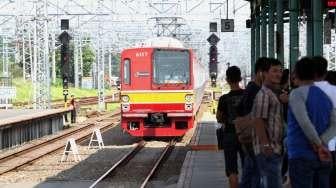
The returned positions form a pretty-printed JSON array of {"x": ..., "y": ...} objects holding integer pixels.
[{"x": 88, "y": 59}]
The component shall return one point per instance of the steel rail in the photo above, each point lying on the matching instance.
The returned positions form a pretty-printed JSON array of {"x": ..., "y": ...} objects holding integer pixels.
[
  {"x": 81, "y": 101},
  {"x": 20, "y": 152},
  {"x": 52, "y": 141},
  {"x": 123, "y": 160},
  {"x": 160, "y": 160}
]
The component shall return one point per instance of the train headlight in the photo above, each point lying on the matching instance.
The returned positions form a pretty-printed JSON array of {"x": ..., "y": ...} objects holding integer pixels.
[
  {"x": 188, "y": 106},
  {"x": 188, "y": 98},
  {"x": 125, "y": 98},
  {"x": 125, "y": 107}
]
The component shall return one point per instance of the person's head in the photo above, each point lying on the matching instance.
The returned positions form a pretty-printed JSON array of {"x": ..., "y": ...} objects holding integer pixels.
[
  {"x": 72, "y": 96},
  {"x": 273, "y": 72},
  {"x": 304, "y": 70},
  {"x": 294, "y": 81},
  {"x": 320, "y": 67},
  {"x": 233, "y": 75},
  {"x": 331, "y": 77},
  {"x": 284, "y": 82},
  {"x": 260, "y": 67}
]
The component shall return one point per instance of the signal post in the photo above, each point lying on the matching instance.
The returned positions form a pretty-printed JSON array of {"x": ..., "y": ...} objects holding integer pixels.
[{"x": 65, "y": 55}]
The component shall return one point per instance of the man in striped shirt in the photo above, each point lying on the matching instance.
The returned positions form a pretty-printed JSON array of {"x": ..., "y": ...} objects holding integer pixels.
[{"x": 268, "y": 132}]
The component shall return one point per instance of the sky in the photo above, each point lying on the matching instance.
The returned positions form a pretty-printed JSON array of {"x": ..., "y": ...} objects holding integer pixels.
[{"x": 126, "y": 22}]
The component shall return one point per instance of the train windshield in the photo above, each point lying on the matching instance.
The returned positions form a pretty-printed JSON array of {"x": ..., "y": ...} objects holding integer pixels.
[{"x": 171, "y": 67}]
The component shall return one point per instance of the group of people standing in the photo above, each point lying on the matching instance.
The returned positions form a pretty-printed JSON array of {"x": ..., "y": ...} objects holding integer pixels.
[{"x": 280, "y": 126}]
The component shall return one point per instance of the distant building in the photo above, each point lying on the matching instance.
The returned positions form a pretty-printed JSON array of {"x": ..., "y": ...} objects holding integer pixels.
[{"x": 87, "y": 83}]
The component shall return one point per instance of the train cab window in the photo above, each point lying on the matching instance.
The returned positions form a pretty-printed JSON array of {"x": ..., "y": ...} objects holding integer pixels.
[
  {"x": 171, "y": 66},
  {"x": 127, "y": 71}
]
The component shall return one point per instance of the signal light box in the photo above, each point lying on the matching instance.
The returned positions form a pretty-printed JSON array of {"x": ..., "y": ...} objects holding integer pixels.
[
  {"x": 331, "y": 3},
  {"x": 64, "y": 24},
  {"x": 213, "y": 26}
]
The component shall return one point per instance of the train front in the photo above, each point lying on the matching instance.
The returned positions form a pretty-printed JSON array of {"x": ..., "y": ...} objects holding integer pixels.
[{"x": 157, "y": 98}]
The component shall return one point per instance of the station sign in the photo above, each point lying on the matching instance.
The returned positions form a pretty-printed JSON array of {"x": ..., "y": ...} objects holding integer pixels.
[
  {"x": 65, "y": 92},
  {"x": 227, "y": 25},
  {"x": 7, "y": 92},
  {"x": 331, "y": 3}
]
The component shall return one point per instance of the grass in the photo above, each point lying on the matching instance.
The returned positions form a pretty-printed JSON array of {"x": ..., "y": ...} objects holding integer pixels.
[{"x": 24, "y": 91}]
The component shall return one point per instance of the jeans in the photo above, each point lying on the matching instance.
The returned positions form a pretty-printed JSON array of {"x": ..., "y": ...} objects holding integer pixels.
[
  {"x": 270, "y": 170},
  {"x": 303, "y": 172},
  {"x": 250, "y": 175}
]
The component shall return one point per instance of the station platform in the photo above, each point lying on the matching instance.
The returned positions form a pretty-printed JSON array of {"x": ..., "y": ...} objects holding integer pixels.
[
  {"x": 19, "y": 126},
  {"x": 204, "y": 164}
]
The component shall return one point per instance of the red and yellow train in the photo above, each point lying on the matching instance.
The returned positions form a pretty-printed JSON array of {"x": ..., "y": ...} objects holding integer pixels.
[{"x": 162, "y": 85}]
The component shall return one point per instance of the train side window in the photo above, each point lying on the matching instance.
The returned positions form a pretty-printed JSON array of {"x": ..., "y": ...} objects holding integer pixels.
[{"x": 127, "y": 71}]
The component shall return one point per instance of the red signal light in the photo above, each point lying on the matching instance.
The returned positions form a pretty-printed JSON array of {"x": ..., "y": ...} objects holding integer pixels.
[{"x": 331, "y": 3}]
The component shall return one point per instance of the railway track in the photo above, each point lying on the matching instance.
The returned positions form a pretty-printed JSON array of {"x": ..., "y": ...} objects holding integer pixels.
[
  {"x": 130, "y": 155},
  {"x": 28, "y": 155},
  {"x": 87, "y": 101},
  {"x": 81, "y": 101},
  {"x": 157, "y": 164}
]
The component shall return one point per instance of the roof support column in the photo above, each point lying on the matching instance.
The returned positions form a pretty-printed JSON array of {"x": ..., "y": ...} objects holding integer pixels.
[
  {"x": 253, "y": 43},
  {"x": 317, "y": 27},
  {"x": 263, "y": 28},
  {"x": 280, "y": 31},
  {"x": 314, "y": 29},
  {"x": 257, "y": 32},
  {"x": 271, "y": 11},
  {"x": 310, "y": 42},
  {"x": 294, "y": 32}
]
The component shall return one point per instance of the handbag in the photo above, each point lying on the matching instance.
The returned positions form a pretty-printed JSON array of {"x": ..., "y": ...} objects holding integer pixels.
[{"x": 244, "y": 126}]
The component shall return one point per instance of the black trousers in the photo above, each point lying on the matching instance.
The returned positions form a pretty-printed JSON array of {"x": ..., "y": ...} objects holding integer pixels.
[
  {"x": 73, "y": 116},
  {"x": 333, "y": 172},
  {"x": 232, "y": 148}
]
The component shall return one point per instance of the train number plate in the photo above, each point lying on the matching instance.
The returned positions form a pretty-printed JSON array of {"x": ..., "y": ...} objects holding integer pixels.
[{"x": 157, "y": 117}]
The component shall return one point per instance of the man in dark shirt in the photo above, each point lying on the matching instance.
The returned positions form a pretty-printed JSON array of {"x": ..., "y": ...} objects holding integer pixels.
[
  {"x": 226, "y": 114},
  {"x": 250, "y": 176}
]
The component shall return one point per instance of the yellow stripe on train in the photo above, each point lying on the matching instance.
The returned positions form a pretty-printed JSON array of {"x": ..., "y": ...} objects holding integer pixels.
[{"x": 156, "y": 97}]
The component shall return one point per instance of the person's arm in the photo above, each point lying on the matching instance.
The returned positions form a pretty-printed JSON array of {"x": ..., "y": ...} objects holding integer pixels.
[
  {"x": 260, "y": 114},
  {"x": 260, "y": 128},
  {"x": 297, "y": 101},
  {"x": 331, "y": 131},
  {"x": 220, "y": 110}
]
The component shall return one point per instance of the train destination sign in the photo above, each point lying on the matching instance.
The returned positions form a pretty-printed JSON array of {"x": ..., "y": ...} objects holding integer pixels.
[
  {"x": 141, "y": 74},
  {"x": 331, "y": 3}
]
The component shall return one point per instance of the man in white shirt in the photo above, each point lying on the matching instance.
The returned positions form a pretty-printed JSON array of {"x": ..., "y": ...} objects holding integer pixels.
[
  {"x": 332, "y": 148},
  {"x": 320, "y": 66},
  {"x": 332, "y": 144},
  {"x": 329, "y": 137}
]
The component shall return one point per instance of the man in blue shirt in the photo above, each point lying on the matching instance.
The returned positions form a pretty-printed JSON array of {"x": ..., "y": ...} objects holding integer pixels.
[{"x": 308, "y": 157}]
